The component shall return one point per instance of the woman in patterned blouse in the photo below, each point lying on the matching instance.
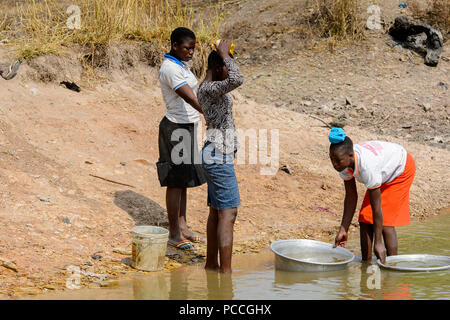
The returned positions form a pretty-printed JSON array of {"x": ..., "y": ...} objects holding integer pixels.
[{"x": 223, "y": 76}]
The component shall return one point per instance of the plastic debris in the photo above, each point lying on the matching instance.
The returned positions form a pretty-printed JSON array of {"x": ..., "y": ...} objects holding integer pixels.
[
  {"x": 443, "y": 85},
  {"x": 125, "y": 252},
  {"x": 101, "y": 276},
  {"x": 96, "y": 256},
  {"x": 143, "y": 161},
  {"x": 71, "y": 86},
  {"x": 419, "y": 37},
  {"x": 11, "y": 72},
  {"x": 66, "y": 220},
  {"x": 287, "y": 169},
  {"x": 8, "y": 264},
  {"x": 321, "y": 209},
  {"x": 43, "y": 199}
]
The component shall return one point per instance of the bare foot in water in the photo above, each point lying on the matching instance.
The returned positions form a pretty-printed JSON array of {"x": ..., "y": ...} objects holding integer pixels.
[{"x": 214, "y": 267}]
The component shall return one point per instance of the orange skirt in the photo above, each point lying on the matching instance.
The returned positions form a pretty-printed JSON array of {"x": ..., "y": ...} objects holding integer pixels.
[{"x": 394, "y": 199}]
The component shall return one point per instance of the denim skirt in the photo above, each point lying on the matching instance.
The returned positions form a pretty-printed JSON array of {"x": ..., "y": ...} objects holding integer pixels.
[{"x": 223, "y": 191}]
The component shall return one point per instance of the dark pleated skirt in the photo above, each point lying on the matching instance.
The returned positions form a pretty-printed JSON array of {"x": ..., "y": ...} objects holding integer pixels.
[{"x": 180, "y": 163}]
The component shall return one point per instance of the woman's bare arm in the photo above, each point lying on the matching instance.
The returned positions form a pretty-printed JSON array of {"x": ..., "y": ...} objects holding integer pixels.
[{"x": 186, "y": 93}]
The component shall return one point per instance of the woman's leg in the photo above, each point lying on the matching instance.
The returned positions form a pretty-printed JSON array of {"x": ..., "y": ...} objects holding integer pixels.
[
  {"x": 173, "y": 197},
  {"x": 390, "y": 240},
  {"x": 185, "y": 232},
  {"x": 225, "y": 237},
  {"x": 366, "y": 240},
  {"x": 212, "y": 247},
  {"x": 182, "y": 214}
]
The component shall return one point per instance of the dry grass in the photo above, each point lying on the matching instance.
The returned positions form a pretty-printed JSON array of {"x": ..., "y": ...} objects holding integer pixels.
[
  {"x": 39, "y": 27},
  {"x": 433, "y": 12},
  {"x": 339, "y": 19},
  {"x": 335, "y": 23}
]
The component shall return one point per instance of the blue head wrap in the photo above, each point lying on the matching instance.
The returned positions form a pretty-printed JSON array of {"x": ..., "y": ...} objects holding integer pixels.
[{"x": 336, "y": 135}]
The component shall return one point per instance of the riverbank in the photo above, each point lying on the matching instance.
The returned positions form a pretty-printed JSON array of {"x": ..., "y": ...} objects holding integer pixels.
[{"x": 56, "y": 214}]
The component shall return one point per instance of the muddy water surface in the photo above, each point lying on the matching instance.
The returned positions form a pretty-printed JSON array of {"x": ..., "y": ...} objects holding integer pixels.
[{"x": 254, "y": 276}]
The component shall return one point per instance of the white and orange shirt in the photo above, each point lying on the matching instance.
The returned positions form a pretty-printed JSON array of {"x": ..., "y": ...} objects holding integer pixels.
[{"x": 376, "y": 163}]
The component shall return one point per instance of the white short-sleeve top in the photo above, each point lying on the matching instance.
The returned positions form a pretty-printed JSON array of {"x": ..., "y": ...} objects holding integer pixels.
[
  {"x": 172, "y": 75},
  {"x": 376, "y": 163}
]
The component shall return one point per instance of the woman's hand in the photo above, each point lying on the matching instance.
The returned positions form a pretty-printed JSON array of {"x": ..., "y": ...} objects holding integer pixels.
[
  {"x": 350, "y": 202},
  {"x": 341, "y": 238},
  {"x": 380, "y": 251},
  {"x": 223, "y": 48}
]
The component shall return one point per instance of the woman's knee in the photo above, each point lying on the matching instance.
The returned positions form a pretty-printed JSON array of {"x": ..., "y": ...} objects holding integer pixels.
[
  {"x": 228, "y": 215},
  {"x": 390, "y": 240}
]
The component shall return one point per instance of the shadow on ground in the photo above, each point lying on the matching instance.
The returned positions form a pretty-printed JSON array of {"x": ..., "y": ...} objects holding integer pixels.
[{"x": 143, "y": 210}]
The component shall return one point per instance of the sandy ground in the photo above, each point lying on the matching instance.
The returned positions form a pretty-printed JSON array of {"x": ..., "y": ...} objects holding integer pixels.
[
  {"x": 54, "y": 214},
  {"x": 53, "y": 139}
]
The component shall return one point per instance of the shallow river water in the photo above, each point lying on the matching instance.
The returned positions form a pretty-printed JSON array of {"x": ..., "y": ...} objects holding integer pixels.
[{"x": 254, "y": 276}]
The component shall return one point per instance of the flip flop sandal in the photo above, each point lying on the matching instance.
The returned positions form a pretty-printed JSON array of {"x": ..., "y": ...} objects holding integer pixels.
[
  {"x": 195, "y": 239},
  {"x": 182, "y": 245},
  {"x": 12, "y": 71}
]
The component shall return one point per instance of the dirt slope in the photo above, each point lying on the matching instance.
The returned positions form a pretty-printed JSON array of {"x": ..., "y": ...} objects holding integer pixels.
[
  {"x": 54, "y": 138},
  {"x": 375, "y": 84}
]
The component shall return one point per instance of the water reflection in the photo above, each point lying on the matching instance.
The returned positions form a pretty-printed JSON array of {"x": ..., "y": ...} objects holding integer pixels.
[
  {"x": 355, "y": 282},
  {"x": 220, "y": 286},
  {"x": 310, "y": 285},
  {"x": 150, "y": 288},
  {"x": 184, "y": 284},
  {"x": 378, "y": 285}
]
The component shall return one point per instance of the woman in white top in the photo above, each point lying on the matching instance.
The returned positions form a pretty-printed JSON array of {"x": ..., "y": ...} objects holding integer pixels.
[
  {"x": 179, "y": 166},
  {"x": 387, "y": 171}
]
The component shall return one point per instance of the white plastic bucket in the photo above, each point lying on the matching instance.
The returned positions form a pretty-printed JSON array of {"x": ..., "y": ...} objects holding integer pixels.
[{"x": 149, "y": 247}]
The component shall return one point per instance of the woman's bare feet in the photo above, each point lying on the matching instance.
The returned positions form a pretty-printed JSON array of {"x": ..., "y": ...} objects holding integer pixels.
[{"x": 211, "y": 266}]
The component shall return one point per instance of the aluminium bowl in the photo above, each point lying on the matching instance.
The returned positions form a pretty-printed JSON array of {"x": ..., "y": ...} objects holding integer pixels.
[
  {"x": 287, "y": 254},
  {"x": 418, "y": 262}
]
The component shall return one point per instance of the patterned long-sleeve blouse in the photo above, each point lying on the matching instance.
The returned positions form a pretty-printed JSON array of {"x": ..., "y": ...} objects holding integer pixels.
[{"x": 217, "y": 108}]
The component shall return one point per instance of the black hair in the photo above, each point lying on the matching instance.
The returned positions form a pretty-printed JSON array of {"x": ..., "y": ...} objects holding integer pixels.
[
  {"x": 343, "y": 146},
  {"x": 181, "y": 34},
  {"x": 214, "y": 59}
]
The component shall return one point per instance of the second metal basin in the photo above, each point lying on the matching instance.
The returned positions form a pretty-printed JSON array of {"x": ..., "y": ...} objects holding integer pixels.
[{"x": 416, "y": 262}]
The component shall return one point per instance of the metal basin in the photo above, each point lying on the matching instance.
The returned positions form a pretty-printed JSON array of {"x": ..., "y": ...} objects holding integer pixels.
[
  {"x": 309, "y": 255},
  {"x": 416, "y": 262}
]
